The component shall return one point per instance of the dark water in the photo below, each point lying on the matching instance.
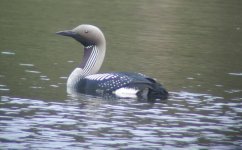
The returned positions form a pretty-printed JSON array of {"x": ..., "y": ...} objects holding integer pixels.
[{"x": 193, "y": 47}]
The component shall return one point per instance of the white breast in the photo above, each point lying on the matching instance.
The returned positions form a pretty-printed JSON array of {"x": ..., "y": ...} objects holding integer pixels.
[{"x": 74, "y": 77}]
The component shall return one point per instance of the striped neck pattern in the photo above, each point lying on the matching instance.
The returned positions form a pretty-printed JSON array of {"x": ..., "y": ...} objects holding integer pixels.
[
  {"x": 91, "y": 63},
  {"x": 90, "y": 58}
]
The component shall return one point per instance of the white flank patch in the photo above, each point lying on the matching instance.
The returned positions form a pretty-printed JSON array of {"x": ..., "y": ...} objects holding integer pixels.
[{"x": 126, "y": 92}]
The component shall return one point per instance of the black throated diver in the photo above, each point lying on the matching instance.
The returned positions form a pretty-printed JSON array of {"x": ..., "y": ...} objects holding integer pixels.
[{"x": 84, "y": 78}]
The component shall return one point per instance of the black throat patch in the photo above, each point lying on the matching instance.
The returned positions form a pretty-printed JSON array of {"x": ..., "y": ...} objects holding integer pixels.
[{"x": 87, "y": 53}]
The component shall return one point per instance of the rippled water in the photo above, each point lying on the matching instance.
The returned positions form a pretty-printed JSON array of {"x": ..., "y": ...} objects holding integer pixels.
[
  {"x": 187, "y": 120},
  {"x": 192, "y": 47}
]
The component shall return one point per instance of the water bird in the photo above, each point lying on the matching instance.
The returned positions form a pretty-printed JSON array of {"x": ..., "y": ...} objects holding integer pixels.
[{"x": 86, "y": 79}]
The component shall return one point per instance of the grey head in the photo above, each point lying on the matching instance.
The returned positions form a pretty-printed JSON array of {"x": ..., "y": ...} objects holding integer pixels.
[
  {"x": 86, "y": 34},
  {"x": 93, "y": 40}
]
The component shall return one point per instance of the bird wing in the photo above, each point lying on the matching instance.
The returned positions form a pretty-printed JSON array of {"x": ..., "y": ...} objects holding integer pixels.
[
  {"x": 107, "y": 83},
  {"x": 115, "y": 80}
]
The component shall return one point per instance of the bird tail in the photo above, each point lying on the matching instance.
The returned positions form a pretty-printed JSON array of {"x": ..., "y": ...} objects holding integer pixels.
[
  {"x": 157, "y": 92},
  {"x": 153, "y": 91}
]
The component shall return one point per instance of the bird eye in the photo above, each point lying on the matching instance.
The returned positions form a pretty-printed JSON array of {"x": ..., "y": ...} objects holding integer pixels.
[{"x": 86, "y": 31}]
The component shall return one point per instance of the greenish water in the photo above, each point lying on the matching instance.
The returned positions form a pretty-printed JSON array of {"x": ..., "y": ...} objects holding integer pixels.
[{"x": 193, "y": 47}]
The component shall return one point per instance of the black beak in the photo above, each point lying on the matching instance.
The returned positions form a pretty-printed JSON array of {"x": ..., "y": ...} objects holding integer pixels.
[
  {"x": 74, "y": 35},
  {"x": 67, "y": 33}
]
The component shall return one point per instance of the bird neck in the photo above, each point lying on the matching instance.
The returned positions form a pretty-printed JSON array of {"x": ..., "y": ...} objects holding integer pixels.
[
  {"x": 92, "y": 59},
  {"x": 91, "y": 63}
]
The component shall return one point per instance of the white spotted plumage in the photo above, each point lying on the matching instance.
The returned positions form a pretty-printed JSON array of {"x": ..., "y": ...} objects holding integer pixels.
[
  {"x": 100, "y": 77},
  {"x": 110, "y": 81}
]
